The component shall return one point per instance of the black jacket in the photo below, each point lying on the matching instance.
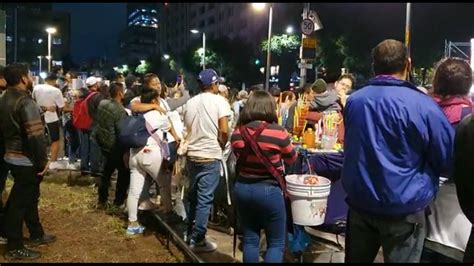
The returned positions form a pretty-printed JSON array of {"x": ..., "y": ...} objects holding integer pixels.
[
  {"x": 22, "y": 128},
  {"x": 464, "y": 166}
]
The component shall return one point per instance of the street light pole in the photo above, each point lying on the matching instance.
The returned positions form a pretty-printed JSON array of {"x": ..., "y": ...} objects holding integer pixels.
[
  {"x": 49, "y": 52},
  {"x": 203, "y": 50},
  {"x": 407, "y": 28},
  {"x": 267, "y": 74},
  {"x": 39, "y": 59},
  {"x": 195, "y": 31},
  {"x": 50, "y": 31}
]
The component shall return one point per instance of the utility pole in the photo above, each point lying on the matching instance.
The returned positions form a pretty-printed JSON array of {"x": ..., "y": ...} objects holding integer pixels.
[
  {"x": 16, "y": 35},
  {"x": 306, "y": 9},
  {"x": 407, "y": 28}
]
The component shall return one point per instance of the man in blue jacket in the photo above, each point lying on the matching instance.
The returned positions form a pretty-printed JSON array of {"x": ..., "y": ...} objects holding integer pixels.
[{"x": 397, "y": 142}]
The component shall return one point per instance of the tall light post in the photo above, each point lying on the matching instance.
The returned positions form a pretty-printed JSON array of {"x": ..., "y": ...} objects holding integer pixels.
[
  {"x": 50, "y": 30},
  {"x": 194, "y": 31},
  {"x": 39, "y": 60},
  {"x": 407, "y": 28},
  {"x": 259, "y": 7}
]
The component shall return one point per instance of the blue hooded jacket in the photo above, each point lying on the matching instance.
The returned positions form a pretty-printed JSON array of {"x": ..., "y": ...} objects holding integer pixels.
[{"x": 397, "y": 142}]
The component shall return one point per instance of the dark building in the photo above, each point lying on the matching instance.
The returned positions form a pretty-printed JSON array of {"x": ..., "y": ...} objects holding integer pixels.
[
  {"x": 26, "y": 36},
  {"x": 140, "y": 39}
]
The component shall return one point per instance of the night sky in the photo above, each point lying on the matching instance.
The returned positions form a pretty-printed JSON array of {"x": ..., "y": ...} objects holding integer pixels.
[{"x": 96, "y": 27}]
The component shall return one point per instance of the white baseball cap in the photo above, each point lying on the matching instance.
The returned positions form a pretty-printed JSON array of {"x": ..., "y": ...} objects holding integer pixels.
[{"x": 91, "y": 81}]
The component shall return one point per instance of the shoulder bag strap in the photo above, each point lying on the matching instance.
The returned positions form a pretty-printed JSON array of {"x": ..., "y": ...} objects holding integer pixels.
[{"x": 252, "y": 140}]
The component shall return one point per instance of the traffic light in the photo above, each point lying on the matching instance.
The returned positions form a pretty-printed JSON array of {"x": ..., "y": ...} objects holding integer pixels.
[{"x": 257, "y": 62}]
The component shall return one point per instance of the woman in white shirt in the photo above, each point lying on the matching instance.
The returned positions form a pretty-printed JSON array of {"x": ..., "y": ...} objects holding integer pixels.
[{"x": 146, "y": 162}]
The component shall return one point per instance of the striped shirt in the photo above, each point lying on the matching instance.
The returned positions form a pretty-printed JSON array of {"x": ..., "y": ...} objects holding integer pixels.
[{"x": 274, "y": 143}]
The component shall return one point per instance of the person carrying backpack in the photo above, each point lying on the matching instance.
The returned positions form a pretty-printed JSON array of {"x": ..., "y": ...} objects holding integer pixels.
[
  {"x": 85, "y": 122},
  {"x": 109, "y": 115},
  {"x": 145, "y": 161}
]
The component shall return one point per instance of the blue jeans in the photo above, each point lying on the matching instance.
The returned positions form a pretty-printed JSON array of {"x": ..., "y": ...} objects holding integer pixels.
[
  {"x": 91, "y": 156},
  {"x": 203, "y": 178},
  {"x": 260, "y": 206}
]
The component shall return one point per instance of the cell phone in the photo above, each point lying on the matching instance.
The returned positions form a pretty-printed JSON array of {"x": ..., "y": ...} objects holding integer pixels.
[{"x": 179, "y": 79}]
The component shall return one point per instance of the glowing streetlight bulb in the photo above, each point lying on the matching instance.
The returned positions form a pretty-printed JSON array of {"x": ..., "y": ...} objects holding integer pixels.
[
  {"x": 194, "y": 31},
  {"x": 166, "y": 56},
  {"x": 289, "y": 29},
  {"x": 258, "y": 6},
  {"x": 51, "y": 30}
]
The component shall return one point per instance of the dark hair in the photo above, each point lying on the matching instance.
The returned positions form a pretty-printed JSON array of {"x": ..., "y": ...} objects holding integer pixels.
[
  {"x": 14, "y": 72},
  {"x": 452, "y": 77},
  {"x": 56, "y": 69},
  {"x": 72, "y": 74},
  {"x": 275, "y": 91},
  {"x": 204, "y": 88},
  {"x": 389, "y": 57},
  {"x": 51, "y": 76},
  {"x": 164, "y": 91},
  {"x": 118, "y": 76},
  {"x": 259, "y": 106},
  {"x": 148, "y": 77},
  {"x": 115, "y": 88},
  {"x": 148, "y": 95},
  {"x": 348, "y": 76},
  {"x": 104, "y": 90}
]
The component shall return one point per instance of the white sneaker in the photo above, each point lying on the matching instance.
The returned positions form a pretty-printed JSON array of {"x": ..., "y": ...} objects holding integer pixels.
[
  {"x": 54, "y": 165},
  {"x": 73, "y": 166},
  {"x": 147, "y": 205},
  {"x": 203, "y": 246}
]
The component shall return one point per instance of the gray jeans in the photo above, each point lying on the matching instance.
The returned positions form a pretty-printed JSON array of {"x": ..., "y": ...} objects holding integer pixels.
[{"x": 402, "y": 239}]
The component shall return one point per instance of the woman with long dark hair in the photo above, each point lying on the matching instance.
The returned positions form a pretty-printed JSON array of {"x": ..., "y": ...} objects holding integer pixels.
[{"x": 258, "y": 191}]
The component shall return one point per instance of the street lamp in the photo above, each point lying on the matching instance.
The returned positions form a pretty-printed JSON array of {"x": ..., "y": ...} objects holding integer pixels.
[
  {"x": 166, "y": 56},
  {"x": 259, "y": 7},
  {"x": 194, "y": 31},
  {"x": 50, "y": 30},
  {"x": 39, "y": 59},
  {"x": 289, "y": 30}
]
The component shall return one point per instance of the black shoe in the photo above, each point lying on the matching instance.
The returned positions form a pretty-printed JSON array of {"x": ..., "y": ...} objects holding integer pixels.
[
  {"x": 85, "y": 173},
  {"x": 22, "y": 254},
  {"x": 46, "y": 239}
]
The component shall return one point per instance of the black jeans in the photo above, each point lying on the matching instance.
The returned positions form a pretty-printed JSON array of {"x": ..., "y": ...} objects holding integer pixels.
[
  {"x": 401, "y": 239},
  {"x": 114, "y": 160},
  {"x": 22, "y": 206}
]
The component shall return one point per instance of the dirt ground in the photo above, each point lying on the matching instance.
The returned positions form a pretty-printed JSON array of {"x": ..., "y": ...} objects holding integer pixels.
[{"x": 85, "y": 234}]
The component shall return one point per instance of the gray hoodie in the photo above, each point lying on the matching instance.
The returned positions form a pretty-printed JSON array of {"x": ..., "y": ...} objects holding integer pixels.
[{"x": 326, "y": 101}]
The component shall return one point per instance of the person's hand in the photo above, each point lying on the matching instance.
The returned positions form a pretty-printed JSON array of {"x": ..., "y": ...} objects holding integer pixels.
[
  {"x": 160, "y": 109},
  {"x": 45, "y": 170}
]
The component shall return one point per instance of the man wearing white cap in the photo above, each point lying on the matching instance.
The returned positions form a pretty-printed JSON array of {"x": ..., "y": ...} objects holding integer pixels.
[{"x": 91, "y": 156}]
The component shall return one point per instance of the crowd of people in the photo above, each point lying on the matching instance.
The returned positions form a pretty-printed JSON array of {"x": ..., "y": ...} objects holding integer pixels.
[{"x": 398, "y": 140}]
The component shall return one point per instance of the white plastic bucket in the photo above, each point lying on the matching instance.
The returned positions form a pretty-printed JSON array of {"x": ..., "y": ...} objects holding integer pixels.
[{"x": 308, "y": 202}]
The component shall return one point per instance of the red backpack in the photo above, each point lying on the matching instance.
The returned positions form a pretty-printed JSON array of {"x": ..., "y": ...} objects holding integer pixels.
[{"x": 80, "y": 115}]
